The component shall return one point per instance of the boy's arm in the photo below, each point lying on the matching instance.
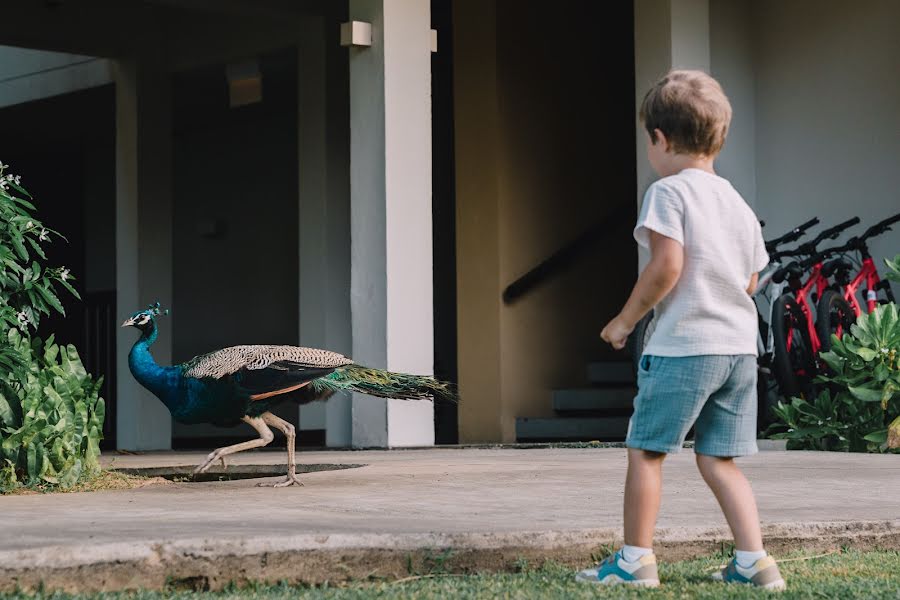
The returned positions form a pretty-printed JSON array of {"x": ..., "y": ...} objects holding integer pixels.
[
  {"x": 657, "y": 280},
  {"x": 754, "y": 281}
]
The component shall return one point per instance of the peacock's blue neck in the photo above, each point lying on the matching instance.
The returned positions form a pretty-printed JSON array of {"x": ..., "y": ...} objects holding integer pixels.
[{"x": 162, "y": 381}]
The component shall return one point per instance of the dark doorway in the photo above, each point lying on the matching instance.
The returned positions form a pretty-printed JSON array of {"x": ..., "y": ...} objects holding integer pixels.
[
  {"x": 235, "y": 220},
  {"x": 443, "y": 198},
  {"x": 64, "y": 149}
]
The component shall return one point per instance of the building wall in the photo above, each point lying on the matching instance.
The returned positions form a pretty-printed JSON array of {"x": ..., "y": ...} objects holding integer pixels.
[
  {"x": 815, "y": 93},
  {"x": 545, "y": 148},
  {"x": 827, "y": 120},
  {"x": 731, "y": 45}
]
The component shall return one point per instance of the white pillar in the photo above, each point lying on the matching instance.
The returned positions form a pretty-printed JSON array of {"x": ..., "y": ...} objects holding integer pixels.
[
  {"x": 668, "y": 34},
  {"x": 324, "y": 223},
  {"x": 143, "y": 240},
  {"x": 391, "y": 226}
]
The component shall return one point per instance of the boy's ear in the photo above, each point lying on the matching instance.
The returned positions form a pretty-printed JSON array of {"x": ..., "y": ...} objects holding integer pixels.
[{"x": 660, "y": 138}]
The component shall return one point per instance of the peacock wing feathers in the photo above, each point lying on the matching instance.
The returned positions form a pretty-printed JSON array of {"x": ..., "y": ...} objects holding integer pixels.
[
  {"x": 265, "y": 369},
  {"x": 228, "y": 361}
]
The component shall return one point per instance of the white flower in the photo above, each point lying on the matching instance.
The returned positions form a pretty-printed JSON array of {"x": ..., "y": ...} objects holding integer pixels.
[
  {"x": 885, "y": 351},
  {"x": 820, "y": 422},
  {"x": 18, "y": 180},
  {"x": 29, "y": 225},
  {"x": 22, "y": 317},
  {"x": 64, "y": 274},
  {"x": 43, "y": 236},
  {"x": 2, "y": 166},
  {"x": 842, "y": 438},
  {"x": 790, "y": 430}
]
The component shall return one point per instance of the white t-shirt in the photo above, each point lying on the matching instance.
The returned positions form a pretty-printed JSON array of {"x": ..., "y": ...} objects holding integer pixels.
[{"x": 709, "y": 310}]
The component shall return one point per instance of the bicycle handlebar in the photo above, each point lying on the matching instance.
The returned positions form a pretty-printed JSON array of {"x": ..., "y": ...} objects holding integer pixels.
[
  {"x": 814, "y": 257},
  {"x": 830, "y": 234},
  {"x": 880, "y": 227},
  {"x": 791, "y": 236}
]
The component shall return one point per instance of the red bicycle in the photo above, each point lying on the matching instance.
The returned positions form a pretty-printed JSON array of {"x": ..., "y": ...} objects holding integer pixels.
[
  {"x": 839, "y": 305},
  {"x": 797, "y": 342}
]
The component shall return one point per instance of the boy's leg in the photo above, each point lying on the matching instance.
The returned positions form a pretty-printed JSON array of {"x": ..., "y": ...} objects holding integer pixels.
[
  {"x": 726, "y": 428},
  {"x": 735, "y": 496},
  {"x": 643, "y": 491}
]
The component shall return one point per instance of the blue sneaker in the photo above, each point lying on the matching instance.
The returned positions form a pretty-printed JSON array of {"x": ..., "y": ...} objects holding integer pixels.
[
  {"x": 615, "y": 570},
  {"x": 764, "y": 574}
]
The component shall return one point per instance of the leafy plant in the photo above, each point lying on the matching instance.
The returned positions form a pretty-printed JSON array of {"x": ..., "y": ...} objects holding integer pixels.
[
  {"x": 893, "y": 266},
  {"x": 52, "y": 421},
  {"x": 859, "y": 406},
  {"x": 51, "y": 416},
  {"x": 26, "y": 287}
]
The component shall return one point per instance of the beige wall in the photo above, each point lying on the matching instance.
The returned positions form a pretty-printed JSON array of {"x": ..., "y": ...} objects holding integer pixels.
[
  {"x": 544, "y": 149},
  {"x": 815, "y": 92},
  {"x": 827, "y": 122}
]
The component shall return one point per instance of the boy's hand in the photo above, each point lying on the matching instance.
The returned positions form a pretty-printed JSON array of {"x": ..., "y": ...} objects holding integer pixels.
[{"x": 616, "y": 332}]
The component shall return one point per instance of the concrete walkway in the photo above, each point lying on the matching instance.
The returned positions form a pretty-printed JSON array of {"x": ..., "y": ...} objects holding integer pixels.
[{"x": 462, "y": 509}]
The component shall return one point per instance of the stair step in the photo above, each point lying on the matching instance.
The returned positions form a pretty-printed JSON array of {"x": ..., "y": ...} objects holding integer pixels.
[
  {"x": 574, "y": 429},
  {"x": 606, "y": 373},
  {"x": 593, "y": 399}
]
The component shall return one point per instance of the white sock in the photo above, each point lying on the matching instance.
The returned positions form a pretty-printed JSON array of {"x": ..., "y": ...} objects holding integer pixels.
[
  {"x": 633, "y": 553},
  {"x": 747, "y": 559}
]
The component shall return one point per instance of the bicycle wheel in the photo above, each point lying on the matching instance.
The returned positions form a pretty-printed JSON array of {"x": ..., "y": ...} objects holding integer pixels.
[
  {"x": 639, "y": 338},
  {"x": 794, "y": 363},
  {"x": 834, "y": 315}
]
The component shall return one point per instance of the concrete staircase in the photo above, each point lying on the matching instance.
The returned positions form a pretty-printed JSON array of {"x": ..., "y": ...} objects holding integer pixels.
[{"x": 599, "y": 412}]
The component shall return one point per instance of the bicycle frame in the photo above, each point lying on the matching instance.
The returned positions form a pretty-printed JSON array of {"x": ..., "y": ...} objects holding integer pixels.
[
  {"x": 770, "y": 291},
  {"x": 868, "y": 274},
  {"x": 818, "y": 282}
]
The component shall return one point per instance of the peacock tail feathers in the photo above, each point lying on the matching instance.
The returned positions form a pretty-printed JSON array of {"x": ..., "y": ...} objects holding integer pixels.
[{"x": 384, "y": 384}]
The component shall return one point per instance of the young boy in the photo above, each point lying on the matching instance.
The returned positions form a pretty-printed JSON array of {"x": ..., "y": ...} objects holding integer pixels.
[{"x": 699, "y": 367}]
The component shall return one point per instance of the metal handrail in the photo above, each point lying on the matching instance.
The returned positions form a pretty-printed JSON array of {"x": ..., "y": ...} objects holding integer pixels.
[{"x": 564, "y": 257}]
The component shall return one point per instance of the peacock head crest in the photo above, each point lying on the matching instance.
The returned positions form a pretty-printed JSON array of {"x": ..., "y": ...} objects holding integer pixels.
[{"x": 144, "y": 319}]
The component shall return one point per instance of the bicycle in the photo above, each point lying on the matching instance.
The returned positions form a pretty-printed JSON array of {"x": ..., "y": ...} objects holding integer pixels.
[
  {"x": 796, "y": 339},
  {"x": 765, "y": 296},
  {"x": 839, "y": 306}
]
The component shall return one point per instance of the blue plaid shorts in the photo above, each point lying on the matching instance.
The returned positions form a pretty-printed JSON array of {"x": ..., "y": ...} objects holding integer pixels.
[{"x": 716, "y": 394}]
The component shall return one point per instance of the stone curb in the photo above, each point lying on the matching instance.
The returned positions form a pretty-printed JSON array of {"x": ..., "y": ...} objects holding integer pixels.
[{"x": 316, "y": 558}]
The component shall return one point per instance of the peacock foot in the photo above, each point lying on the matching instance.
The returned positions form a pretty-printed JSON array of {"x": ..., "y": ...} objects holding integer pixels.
[
  {"x": 205, "y": 465},
  {"x": 290, "y": 480}
]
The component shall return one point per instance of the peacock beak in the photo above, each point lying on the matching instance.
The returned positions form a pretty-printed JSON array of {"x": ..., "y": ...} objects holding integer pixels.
[{"x": 128, "y": 322}]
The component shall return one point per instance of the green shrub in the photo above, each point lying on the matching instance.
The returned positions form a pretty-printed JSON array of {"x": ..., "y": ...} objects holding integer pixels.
[
  {"x": 52, "y": 421},
  {"x": 860, "y": 399},
  {"x": 893, "y": 266},
  {"x": 51, "y": 416}
]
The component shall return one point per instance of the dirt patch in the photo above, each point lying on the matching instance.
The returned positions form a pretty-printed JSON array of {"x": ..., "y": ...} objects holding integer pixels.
[{"x": 104, "y": 481}]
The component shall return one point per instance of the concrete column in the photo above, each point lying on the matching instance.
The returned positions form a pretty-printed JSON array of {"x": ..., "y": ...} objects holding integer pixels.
[
  {"x": 668, "y": 34},
  {"x": 324, "y": 222},
  {"x": 391, "y": 228},
  {"x": 143, "y": 240}
]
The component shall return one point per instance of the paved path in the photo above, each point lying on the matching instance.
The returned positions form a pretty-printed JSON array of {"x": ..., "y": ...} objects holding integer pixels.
[{"x": 444, "y": 497}]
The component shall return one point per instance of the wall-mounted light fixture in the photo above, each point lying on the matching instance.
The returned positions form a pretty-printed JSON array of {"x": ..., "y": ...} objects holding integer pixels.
[
  {"x": 356, "y": 34},
  {"x": 244, "y": 83}
]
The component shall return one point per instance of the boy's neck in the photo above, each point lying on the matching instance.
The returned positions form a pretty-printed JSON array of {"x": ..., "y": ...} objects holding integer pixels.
[{"x": 679, "y": 162}]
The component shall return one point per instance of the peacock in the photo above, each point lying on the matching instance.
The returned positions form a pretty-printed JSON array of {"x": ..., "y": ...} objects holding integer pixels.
[{"x": 242, "y": 383}]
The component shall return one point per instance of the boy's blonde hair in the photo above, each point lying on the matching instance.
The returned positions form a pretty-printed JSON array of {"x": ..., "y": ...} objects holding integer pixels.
[{"x": 691, "y": 109}]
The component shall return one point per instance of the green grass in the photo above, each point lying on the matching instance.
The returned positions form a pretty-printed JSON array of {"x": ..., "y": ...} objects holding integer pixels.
[{"x": 862, "y": 575}]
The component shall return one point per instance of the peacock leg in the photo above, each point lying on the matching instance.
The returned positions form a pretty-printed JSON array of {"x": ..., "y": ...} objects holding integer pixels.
[
  {"x": 289, "y": 432},
  {"x": 265, "y": 438}
]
